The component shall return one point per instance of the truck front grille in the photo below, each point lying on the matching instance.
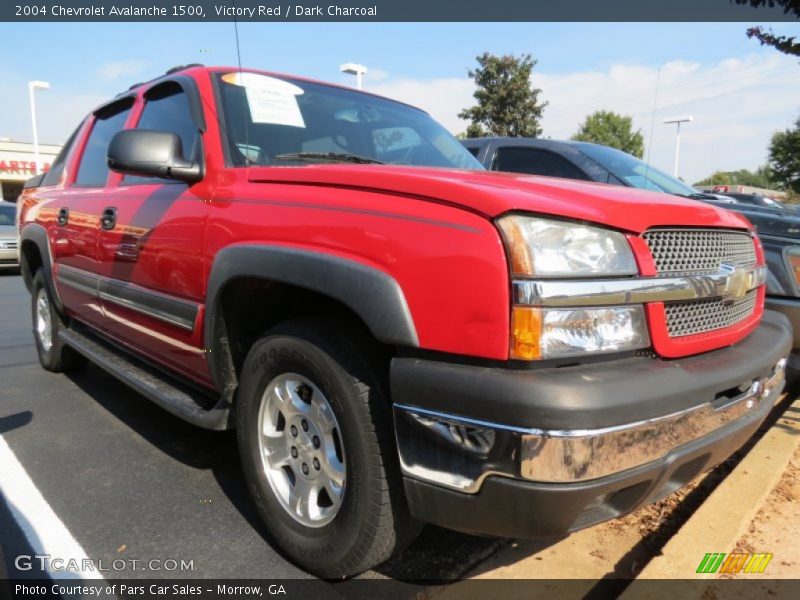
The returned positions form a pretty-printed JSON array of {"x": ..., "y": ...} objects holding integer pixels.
[
  {"x": 696, "y": 252},
  {"x": 687, "y": 318}
]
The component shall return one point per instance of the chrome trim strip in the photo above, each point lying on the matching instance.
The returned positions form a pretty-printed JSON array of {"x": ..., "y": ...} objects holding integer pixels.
[
  {"x": 729, "y": 283},
  {"x": 565, "y": 456}
]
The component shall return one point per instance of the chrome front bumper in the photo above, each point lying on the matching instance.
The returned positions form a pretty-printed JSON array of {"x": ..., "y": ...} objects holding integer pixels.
[{"x": 458, "y": 452}]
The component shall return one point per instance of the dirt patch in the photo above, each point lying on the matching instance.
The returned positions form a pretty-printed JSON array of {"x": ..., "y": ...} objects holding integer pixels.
[{"x": 774, "y": 528}]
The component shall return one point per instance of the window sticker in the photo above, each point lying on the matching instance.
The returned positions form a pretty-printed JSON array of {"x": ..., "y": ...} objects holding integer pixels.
[{"x": 270, "y": 100}]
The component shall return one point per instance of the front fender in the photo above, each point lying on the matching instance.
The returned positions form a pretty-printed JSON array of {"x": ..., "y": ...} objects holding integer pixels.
[{"x": 370, "y": 293}]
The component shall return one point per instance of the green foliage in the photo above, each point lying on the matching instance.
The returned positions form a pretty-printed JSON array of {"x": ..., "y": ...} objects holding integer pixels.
[
  {"x": 611, "y": 129},
  {"x": 784, "y": 157},
  {"x": 507, "y": 103},
  {"x": 761, "y": 177}
]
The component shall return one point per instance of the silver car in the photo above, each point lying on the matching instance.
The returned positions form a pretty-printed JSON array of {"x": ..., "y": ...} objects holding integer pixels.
[{"x": 9, "y": 248}]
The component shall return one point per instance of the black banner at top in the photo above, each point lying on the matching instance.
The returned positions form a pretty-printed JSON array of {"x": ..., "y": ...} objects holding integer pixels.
[{"x": 396, "y": 10}]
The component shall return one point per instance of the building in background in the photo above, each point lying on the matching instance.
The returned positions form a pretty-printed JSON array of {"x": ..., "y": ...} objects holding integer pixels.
[{"x": 17, "y": 164}]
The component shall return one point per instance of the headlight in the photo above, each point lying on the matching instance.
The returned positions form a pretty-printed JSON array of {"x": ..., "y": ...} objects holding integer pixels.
[
  {"x": 548, "y": 248},
  {"x": 545, "y": 249},
  {"x": 540, "y": 333},
  {"x": 792, "y": 257}
]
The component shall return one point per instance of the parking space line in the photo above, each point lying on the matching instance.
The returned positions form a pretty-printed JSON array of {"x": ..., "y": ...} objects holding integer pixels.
[{"x": 45, "y": 532}]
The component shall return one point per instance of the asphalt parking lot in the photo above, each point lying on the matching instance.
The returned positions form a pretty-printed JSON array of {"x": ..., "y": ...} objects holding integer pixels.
[{"x": 126, "y": 480}]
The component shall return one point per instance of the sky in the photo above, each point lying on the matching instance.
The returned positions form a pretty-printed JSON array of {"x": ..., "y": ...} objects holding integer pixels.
[{"x": 737, "y": 92}]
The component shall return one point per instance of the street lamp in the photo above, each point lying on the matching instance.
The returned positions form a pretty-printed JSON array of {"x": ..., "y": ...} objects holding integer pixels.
[
  {"x": 354, "y": 69},
  {"x": 35, "y": 85},
  {"x": 678, "y": 121}
]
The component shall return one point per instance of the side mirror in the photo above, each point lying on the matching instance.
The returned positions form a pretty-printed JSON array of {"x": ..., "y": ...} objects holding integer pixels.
[{"x": 151, "y": 154}]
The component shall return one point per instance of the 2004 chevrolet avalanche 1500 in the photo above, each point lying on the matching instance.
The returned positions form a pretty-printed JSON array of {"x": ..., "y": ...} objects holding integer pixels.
[{"x": 398, "y": 336}]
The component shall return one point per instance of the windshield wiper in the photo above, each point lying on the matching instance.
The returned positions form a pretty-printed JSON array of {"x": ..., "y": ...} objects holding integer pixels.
[{"x": 330, "y": 156}]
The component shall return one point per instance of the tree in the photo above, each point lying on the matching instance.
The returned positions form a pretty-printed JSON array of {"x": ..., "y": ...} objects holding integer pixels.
[
  {"x": 761, "y": 178},
  {"x": 507, "y": 103},
  {"x": 782, "y": 43},
  {"x": 611, "y": 129},
  {"x": 784, "y": 157}
]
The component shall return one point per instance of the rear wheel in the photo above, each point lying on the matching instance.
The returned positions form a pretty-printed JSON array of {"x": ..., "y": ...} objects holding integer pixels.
[
  {"x": 317, "y": 447},
  {"x": 54, "y": 355}
]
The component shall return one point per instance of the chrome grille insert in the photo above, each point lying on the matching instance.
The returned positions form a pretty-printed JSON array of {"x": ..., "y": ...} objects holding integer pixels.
[
  {"x": 688, "y": 318},
  {"x": 702, "y": 251},
  {"x": 692, "y": 251}
]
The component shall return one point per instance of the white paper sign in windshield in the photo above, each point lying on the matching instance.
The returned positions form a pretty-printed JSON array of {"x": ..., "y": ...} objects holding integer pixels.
[{"x": 270, "y": 100}]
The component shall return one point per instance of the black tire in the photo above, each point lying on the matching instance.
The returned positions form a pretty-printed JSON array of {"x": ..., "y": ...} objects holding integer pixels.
[
  {"x": 58, "y": 358},
  {"x": 372, "y": 521}
]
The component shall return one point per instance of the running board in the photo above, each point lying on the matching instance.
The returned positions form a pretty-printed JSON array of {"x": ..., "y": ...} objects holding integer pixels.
[{"x": 152, "y": 383}]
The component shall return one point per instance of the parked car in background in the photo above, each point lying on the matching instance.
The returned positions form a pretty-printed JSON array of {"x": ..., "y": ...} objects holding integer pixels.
[
  {"x": 779, "y": 230},
  {"x": 9, "y": 251},
  {"x": 761, "y": 201}
]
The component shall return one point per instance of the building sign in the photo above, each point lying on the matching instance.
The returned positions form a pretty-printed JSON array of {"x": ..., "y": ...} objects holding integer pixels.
[
  {"x": 19, "y": 167},
  {"x": 18, "y": 161}
]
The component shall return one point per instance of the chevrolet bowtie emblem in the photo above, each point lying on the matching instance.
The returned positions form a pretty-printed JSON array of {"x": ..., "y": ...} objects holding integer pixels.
[{"x": 737, "y": 285}]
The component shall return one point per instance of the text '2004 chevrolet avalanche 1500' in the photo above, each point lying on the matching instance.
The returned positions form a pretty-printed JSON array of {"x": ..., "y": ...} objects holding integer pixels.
[{"x": 397, "y": 336}]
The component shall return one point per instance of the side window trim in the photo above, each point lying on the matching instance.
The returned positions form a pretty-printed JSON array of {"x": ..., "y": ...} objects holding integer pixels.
[
  {"x": 189, "y": 87},
  {"x": 89, "y": 124}
]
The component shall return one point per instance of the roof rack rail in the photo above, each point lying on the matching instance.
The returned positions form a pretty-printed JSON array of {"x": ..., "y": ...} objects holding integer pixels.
[
  {"x": 135, "y": 85},
  {"x": 182, "y": 68}
]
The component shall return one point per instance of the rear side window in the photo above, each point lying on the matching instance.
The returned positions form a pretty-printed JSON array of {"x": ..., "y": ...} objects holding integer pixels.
[
  {"x": 167, "y": 109},
  {"x": 535, "y": 161},
  {"x": 93, "y": 170},
  {"x": 57, "y": 168}
]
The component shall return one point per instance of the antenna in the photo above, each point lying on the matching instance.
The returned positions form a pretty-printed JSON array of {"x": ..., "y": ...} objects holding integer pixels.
[
  {"x": 241, "y": 76},
  {"x": 652, "y": 123}
]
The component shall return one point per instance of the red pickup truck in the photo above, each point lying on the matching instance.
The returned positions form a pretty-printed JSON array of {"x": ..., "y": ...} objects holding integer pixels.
[{"x": 398, "y": 336}]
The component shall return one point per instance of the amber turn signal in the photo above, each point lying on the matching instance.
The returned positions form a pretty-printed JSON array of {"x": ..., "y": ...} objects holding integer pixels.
[{"x": 526, "y": 328}]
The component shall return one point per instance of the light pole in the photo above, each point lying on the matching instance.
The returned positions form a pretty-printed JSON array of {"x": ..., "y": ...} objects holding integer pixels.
[
  {"x": 354, "y": 69},
  {"x": 35, "y": 85},
  {"x": 678, "y": 121}
]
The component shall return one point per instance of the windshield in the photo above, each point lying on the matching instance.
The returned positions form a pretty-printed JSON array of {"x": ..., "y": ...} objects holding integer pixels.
[
  {"x": 771, "y": 203},
  {"x": 276, "y": 121},
  {"x": 635, "y": 172},
  {"x": 7, "y": 215}
]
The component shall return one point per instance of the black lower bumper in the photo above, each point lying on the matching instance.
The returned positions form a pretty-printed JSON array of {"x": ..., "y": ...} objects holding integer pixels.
[
  {"x": 463, "y": 433},
  {"x": 789, "y": 307}
]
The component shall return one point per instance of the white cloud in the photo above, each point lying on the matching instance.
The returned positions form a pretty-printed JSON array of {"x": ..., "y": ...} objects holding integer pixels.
[
  {"x": 121, "y": 68},
  {"x": 375, "y": 75},
  {"x": 736, "y": 103}
]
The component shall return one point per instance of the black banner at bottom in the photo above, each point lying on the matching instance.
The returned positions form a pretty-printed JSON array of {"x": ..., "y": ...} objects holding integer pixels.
[{"x": 357, "y": 589}]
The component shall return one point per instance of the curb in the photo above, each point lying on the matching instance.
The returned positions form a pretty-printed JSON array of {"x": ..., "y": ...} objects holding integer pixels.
[{"x": 720, "y": 521}]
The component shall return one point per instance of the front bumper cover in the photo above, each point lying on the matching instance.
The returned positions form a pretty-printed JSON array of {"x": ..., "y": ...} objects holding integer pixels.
[{"x": 641, "y": 415}]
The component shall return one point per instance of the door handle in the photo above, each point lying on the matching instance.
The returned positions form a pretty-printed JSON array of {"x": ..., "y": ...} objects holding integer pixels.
[
  {"x": 109, "y": 218},
  {"x": 63, "y": 216}
]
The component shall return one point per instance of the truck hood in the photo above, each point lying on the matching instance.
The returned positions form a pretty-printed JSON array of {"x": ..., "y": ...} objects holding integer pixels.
[{"x": 491, "y": 194}]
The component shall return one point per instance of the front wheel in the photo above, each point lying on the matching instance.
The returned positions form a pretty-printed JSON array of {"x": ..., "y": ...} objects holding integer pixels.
[{"x": 317, "y": 447}]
